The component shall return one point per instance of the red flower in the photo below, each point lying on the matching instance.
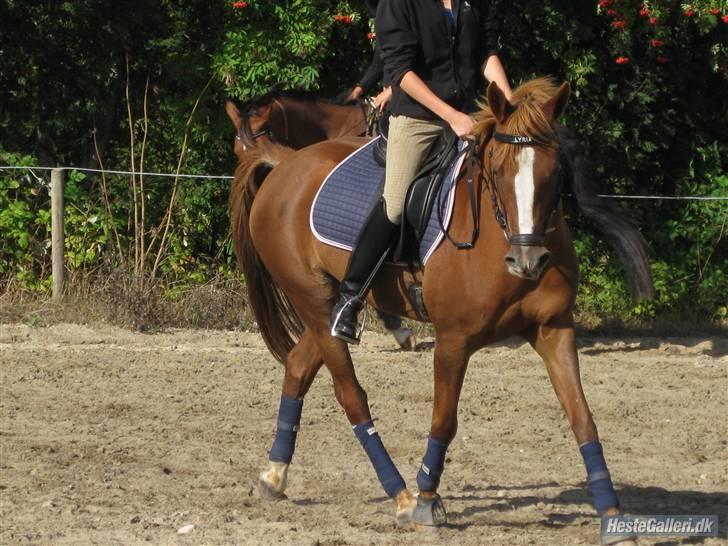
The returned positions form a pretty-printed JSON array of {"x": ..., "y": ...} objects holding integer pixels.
[
  {"x": 619, "y": 25},
  {"x": 611, "y": 12},
  {"x": 621, "y": 60},
  {"x": 715, "y": 11},
  {"x": 662, "y": 59},
  {"x": 604, "y": 3},
  {"x": 344, "y": 19},
  {"x": 240, "y": 5},
  {"x": 372, "y": 35},
  {"x": 644, "y": 12},
  {"x": 725, "y": 18},
  {"x": 689, "y": 12},
  {"x": 657, "y": 43},
  {"x": 653, "y": 20}
]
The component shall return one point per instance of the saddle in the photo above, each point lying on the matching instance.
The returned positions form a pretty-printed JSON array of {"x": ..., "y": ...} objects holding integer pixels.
[{"x": 423, "y": 192}]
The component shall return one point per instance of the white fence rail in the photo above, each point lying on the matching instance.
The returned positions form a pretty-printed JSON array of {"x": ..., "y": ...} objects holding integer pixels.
[{"x": 57, "y": 208}]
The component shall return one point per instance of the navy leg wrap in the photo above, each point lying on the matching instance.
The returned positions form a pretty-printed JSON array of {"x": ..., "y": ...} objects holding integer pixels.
[
  {"x": 598, "y": 478},
  {"x": 289, "y": 419},
  {"x": 433, "y": 463},
  {"x": 387, "y": 473}
]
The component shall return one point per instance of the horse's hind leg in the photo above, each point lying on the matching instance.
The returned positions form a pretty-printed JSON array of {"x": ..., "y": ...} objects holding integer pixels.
[
  {"x": 556, "y": 343},
  {"x": 302, "y": 364},
  {"x": 353, "y": 400}
]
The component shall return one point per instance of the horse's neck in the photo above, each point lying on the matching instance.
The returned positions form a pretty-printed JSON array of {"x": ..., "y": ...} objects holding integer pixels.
[{"x": 339, "y": 121}]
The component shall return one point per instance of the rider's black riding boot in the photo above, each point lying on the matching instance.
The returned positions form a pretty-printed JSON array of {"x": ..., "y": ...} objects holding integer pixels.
[{"x": 367, "y": 257}]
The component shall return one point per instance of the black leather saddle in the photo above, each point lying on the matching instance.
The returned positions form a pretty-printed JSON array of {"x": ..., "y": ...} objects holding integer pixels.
[{"x": 422, "y": 193}]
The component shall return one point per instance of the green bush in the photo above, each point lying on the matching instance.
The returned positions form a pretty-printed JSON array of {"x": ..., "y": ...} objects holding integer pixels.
[{"x": 648, "y": 98}]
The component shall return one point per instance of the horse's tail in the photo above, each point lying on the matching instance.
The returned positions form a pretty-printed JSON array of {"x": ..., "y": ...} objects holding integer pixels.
[
  {"x": 623, "y": 236},
  {"x": 278, "y": 322}
]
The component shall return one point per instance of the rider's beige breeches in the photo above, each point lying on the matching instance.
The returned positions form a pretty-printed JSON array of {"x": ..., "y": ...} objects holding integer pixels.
[{"x": 409, "y": 142}]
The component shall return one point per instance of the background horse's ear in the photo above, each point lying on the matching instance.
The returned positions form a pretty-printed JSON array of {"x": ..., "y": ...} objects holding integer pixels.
[
  {"x": 234, "y": 114},
  {"x": 499, "y": 104},
  {"x": 556, "y": 106}
]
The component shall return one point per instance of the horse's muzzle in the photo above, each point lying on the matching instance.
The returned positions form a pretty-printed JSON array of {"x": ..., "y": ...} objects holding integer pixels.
[{"x": 527, "y": 262}]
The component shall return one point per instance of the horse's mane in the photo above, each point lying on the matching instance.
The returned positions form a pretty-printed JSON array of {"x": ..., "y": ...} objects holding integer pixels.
[
  {"x": 277, "y": 94},
  {"x": 527, "y": 120}
]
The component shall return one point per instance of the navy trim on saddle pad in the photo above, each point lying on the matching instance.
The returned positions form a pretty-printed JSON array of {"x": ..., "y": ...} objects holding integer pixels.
[{"x": 343, "y": 202}]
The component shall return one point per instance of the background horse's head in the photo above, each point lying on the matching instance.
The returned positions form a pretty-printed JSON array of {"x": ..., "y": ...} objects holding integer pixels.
[
  {"x": 521, "y": 169},
  {"x": 253, "y": 122}
]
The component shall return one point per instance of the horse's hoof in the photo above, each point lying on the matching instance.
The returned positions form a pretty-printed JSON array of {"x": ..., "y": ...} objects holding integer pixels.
[
  {"x": 267, "y": 492},
  {"x": 406, "y": 504},
  {"x": 405, "y": 338},
  {"x": 430, "y": 512}
]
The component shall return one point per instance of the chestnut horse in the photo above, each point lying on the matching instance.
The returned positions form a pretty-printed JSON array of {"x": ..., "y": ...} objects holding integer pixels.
[
  {"x": 519, "y": 278},
  {"x": 299, "y": 119}
]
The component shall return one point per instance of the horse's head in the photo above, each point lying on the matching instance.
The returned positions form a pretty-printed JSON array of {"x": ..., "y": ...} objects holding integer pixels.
[
  {"x": 521, "y": 169},
  {"x": 252, "y": 124}
]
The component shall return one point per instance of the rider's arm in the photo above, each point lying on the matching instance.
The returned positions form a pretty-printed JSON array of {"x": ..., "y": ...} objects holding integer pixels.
[
  {"x": 492, "y": 67},
  {"x": 413, "y": 85}
]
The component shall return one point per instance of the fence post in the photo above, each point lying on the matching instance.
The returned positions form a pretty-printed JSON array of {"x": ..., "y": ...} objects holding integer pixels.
[{"x": 57, "y": 234}]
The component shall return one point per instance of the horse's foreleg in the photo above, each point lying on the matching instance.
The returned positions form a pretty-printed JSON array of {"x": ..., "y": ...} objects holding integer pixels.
[
  {"x": 450, "y": 363},
  {"x": 556, "y": 344},
  {"x": 353, "y": 400},
  {"x": 302, "y": 364}
]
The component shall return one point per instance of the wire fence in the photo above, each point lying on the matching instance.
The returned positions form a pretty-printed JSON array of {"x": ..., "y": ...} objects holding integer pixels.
[{"x": 223, "y": 177}]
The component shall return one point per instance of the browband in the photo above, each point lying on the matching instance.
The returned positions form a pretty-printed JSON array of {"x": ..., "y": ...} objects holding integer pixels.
[{"x": 514, "y": 139}]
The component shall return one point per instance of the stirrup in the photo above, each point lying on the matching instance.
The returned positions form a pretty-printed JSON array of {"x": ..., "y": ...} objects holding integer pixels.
[{"x": 360, "y": 325}]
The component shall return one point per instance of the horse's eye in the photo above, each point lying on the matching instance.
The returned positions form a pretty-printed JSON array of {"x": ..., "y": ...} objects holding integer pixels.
[{"x": 253, "y": 112}]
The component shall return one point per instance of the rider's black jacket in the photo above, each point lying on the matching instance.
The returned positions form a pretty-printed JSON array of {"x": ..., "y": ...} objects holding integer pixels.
[{"x": 416, "y": 35}]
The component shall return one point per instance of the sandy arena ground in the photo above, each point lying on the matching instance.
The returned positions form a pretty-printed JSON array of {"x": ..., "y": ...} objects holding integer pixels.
[{"x": 113, "y": 437}]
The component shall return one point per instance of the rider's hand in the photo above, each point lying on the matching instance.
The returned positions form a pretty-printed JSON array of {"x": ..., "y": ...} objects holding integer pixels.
[
  {"x": 354, "y": 94},
  {"x": 381, "y": 100},
  {"x": 461, "y": 124}
]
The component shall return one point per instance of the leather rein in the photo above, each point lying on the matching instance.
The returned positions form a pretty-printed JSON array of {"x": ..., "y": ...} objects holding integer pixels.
[{"x": 491, "y": 184}]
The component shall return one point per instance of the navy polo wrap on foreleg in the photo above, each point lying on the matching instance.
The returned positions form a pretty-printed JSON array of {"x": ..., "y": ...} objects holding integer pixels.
[
  {"x": 289, "y": 419},
  {"x": 598, "y": 479},
  {"x": 387, "y": 473},
  {"x": 433, "y": 463}
]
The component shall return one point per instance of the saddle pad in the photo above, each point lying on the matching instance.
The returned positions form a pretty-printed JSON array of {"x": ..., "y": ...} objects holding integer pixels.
[{"x": 349, "y": 191}]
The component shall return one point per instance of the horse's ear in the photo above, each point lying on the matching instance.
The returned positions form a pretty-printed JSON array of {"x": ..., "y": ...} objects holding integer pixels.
[
  {"x": 499, "y": 104},
  {"x": 556, "y": 106},
  {"x": 234, "y": 114}
]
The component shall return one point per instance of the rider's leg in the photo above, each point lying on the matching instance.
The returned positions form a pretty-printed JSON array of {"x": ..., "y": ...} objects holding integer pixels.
[{"x": 408, "y": 144}]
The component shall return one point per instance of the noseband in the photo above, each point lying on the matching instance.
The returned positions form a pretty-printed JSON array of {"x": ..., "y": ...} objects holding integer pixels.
[{"x": 520, "y": 239}]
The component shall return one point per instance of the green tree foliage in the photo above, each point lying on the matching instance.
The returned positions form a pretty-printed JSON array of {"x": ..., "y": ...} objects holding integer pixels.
[{"x": 649, "y": 90}]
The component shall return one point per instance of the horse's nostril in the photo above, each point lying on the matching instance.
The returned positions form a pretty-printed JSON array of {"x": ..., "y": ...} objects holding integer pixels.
[
  {"x": 544, "y": 259},
  {"x": 510, "y": 260}
]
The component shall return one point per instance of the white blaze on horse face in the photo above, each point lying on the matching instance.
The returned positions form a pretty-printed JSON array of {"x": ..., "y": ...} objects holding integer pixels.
[{"x": 525, "y": 189}]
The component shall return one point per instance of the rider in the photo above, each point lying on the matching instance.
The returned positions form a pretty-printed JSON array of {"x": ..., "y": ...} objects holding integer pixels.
[{"x": 433, "y": 51}]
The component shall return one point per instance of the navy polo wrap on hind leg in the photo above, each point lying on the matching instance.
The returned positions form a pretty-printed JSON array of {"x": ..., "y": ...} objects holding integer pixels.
[
  {"x": 598, "y": 479},
  {"x": 289, "y": 419},
  {"x": 433, "y": 463},
  {"x": 387, "y": 473}
]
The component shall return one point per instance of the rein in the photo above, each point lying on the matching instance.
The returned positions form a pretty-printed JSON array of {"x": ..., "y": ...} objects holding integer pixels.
[{"x": 521, "y": 239}]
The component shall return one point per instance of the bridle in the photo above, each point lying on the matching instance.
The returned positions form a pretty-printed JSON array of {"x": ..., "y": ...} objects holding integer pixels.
[
  {"x": 245, "y": 132},
  {"x": 491, "y": 184}
]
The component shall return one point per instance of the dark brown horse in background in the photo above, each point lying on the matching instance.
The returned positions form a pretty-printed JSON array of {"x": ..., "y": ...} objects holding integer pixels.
[
  {"x": 518, "y": 279},
  {"x": 296, "y": 119}
]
